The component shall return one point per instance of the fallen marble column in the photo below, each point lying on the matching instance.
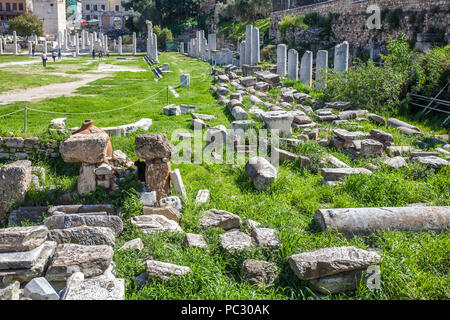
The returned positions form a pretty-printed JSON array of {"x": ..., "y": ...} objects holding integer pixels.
[{"x": 364, "y": 221}]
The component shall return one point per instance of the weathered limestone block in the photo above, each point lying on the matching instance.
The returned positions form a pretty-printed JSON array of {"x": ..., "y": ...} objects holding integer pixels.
[
  {"x": 172, "y": 110},
  {"x": 135, "y": 244},
  {"x": 265, "y": 237},
  {"x": 329, "y": 261},
  {"x": 395, "y": 123},
  {"x": 259, "y": 272},
  {"x": 85, "y": 148},
  {"x": 169, "y": 212},
  {"x": 20, "y": 260},
  {"x": 155, "y": 223},
  {"x": 152, "y": 146},
  {"x": 433, "y": 161},
  {"x": 96, "y": 289},
  {"x": 220, "y": 219},
  {"x": 15, "y": 179},
  {"x": 22, "y": 238},
  {"x": 70, "y": 258},
  {"x": 203, "y": 196},
  {"x": 195, "y": 240},
  {"x": 235, "y": 240},
  {"x": 86, "y": 182},
  {"x": 40, "y": 289},
  {"x": 172, "y": 201},
  {"x": 280, "y": 120},
  {"x": 83, "y": 209},
  {"x": 261, "y": 172},
  {"x": 239, "y": 114},
  {"x": 11, "y": 291},
  {"x": 36, "y": 270},
  {"x": 382, "y": 136},
  {"x": 164, "y": 270},
  {"x": 32, "y": 214},
  {"x": 65, "y": 221},
  {"x": 83, "y": 235},
  {"x": 177, "y": 183},
  {"x": 365, "y": 221},
  {"x": 335, "y": 174},
  {"x": 341, "y": 282},
  {"x": 396, "y": 162},
  {"x": 157, "y": 177},
  {"x": 370, "y": 147}
]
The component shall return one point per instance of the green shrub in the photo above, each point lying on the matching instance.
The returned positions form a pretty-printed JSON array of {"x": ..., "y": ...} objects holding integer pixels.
[
  {"x": 291, "y": 22},
  {"x": 163, "y": 36}
]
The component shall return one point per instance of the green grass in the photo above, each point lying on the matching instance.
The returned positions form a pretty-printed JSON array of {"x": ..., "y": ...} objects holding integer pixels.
[
  {"x": 235, "y": 31},
  {"x": 415, "y": 265},
  {"x": 10, "y": 81}
]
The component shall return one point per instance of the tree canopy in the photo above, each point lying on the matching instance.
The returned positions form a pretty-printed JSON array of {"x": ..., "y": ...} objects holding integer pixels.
[
  {"x": 160, "y": 12},
  {"x": 27, "y": 25}
]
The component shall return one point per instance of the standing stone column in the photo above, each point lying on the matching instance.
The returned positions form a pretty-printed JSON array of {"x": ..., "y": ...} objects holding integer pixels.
[
  {"x": 255, "y": 46},
  {"x": 105, "y": 37},
  {"x": 149, "y": 45},
  {"x": 95, "y": 35},
  {"x": 156, "y": 150},
  {"x": 91, "y": 47},
  {"x": 134, "y": 43},
  {"x": 306, "y": 68},
  {"x": 321, "y": 67},
  {"x": 1, "y": 46},
  {"x": 77, "y": 45},
  {"x": 181, "y": 47},
  {"x": 16, "y": 50},
  {"x": 114, "y": 45},
  {"x": 120, "y": 45},
  {"x": 59, "y": 40},
  {"x": 212, "y": 42},
  {"x": 281, "y": 60},
  {"x": 341, "y": 55},
  {"x": 242, "y": 54},
  {"x": 66, "y": 40},
  {"x": 293, "y": 64},
  {"x": 155, "y": 48},
  {"x": 44, "y": 50},
  {"x": 30, "y": 48},
  {"x": 248, "y": 44},
  {"x": 83, "y": 40}
]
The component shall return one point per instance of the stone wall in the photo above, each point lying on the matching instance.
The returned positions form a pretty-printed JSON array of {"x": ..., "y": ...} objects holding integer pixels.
[
  {"x": 418, "y": 16},
  {"x": 19, "y": 148}
]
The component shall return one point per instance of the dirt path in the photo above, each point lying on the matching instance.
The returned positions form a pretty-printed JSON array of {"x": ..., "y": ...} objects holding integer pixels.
[
  {"x": 59, "y": 89},
  {"x": 49, "y": 91},
  {"x": 15, "y": 63}
]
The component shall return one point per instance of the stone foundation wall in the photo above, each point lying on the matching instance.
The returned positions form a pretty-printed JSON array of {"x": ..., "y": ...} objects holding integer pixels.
[
  {"x": 19, "y": 148},
  {"x": 419, "y": 16}
]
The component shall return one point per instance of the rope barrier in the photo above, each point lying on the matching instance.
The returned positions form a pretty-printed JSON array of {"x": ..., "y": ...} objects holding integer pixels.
[{"x": 8, "y": 114}]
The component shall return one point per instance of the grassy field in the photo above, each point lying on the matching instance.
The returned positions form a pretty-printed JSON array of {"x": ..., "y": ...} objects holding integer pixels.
[{"x": 415, "y": 265}]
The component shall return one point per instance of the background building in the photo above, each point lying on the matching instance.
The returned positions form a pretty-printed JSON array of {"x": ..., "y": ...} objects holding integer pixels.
[
  {"x": 52, "y": 13},
  {"x": 105, "y": 14}
]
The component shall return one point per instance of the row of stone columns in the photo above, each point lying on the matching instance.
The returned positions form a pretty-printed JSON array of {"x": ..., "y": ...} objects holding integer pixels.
[
  {"x": 200, "y": 47},
  {"x": 250, "y": 50},
  {"x": 152, "y": 42},
  {"x": 287, "y": 63}
]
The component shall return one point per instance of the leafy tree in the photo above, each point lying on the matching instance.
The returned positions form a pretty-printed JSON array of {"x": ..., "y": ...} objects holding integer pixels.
[
  {"x": 244, "y": 10},
  {"x": 160, "y": 12},
  {"x": 26, "y": 25},
  {"x": 163, "y": 35}
]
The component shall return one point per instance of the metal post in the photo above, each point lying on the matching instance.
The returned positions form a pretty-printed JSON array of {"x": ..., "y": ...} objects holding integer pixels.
[{"x": 25, "y": 119}]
